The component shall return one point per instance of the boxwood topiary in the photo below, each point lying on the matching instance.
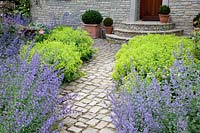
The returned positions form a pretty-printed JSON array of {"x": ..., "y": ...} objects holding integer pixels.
[
  {"x": 164, "y": 9},
  {"x": 92, "y": 17},
  {"x": 150, "y": 54},
  {"x": 108, "y": 22},
  {"x": 65, "y": 57}
]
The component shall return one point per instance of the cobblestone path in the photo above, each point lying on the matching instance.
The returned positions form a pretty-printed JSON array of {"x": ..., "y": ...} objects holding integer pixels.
[{"x": 91, "y": 102}]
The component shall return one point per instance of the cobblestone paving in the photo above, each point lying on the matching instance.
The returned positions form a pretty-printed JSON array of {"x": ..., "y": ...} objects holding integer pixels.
[{"x": 91, "y": 104}]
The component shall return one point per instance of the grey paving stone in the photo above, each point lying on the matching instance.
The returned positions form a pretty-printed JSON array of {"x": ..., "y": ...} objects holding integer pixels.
[
  {"x": 69, "y": 121},
  {"x": 101, "y": 125},
  {"x": 93, "y": 103},
  {"x": 103, "y": 111},
  {"x": 89, "y": 115},
  {"x": 111, "y": 125},
  {"x": 84, "y": 120},
  {"x": 101, "y": 95},
  {"x": 86, "y": 101},
  {"x": 80, "y": 104},
  {"x": 81, "y": 124},
  {"x": 92, "y": 122},
  {"x": 95, "y": 109},
  {"x": 80, "y": 109},
  {"x": 75, "y": 129},
  {"x": 107, "y": 118},
  {"x": 90, "y": 130},
  {"x": 106, "y": 130}
]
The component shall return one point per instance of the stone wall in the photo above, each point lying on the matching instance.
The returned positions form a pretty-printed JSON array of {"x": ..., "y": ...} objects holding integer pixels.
[
  {"x": 117, "y": 9},
  {"x": 183, "y": 12}
]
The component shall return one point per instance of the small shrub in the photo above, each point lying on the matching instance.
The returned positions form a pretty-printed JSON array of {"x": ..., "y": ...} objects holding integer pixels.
[
  {"x": 146, "y": 105},
  {"x": 196, "y": 20},
  {"x": 196, "y": 41},
  {"x": 54, "y": 52},
  {"x": 41, "y": 31},
  {"x": 92, "y": 17},
  {"x": 164, "y": 9},
  {"x": 78, "y": 37},
  {"x": 149, "y": 54},
  {"x": 108, "y": 22}
]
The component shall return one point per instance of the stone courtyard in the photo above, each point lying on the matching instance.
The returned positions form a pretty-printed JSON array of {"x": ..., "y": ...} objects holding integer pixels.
[{"x": 92, "y": 107}]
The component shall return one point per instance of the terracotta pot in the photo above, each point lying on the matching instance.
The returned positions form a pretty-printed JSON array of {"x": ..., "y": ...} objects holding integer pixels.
[
  {"x": 92, "y": 29},
  {"x": 108, "y": 29},
  {"x": 164, "y": 18}
]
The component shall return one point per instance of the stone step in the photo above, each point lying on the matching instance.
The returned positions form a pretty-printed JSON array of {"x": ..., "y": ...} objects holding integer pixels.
[
  {"x": 145, "y": 26},
  {"x": 112, "y": 38},
  {"x": 131, "y": 33}
]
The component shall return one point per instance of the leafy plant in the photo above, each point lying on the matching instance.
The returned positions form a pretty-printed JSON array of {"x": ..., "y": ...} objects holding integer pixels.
[
  {"x": 41, "y": 31},
  {"x": 146, "y": 105},
  {"x": 78, "y": 37},
  {"x": 64, "y": 56},
  {"x": 196, "y": 41},
  {"x": 164, "y": 9},
  {"x": 196, "y": 20},
  {"x": 22, "y": 7},
  {"x": 108, "y": 22},
  {"x": 149, "y": 54},
  {"x": 92, "y": 17}
]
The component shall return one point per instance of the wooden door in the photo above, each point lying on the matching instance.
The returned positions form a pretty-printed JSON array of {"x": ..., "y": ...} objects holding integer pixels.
[{"x": 149, "y": 9}]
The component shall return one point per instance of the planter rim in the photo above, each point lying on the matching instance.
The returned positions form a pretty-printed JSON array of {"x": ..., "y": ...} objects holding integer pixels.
[
  {"x": 92, "y": 24},
  {"x": 108, "y": 26},
  {"x": 164, "y": 15}
]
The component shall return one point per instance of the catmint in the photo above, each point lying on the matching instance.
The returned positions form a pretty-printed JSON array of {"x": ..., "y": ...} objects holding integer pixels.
[
  {"x": 29, "y": 96},
  {"x": 146, "y": 105}
]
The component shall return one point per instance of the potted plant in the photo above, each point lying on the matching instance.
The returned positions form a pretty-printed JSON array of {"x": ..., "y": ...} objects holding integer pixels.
[
  {"x": 108, "y": 22},
  {"x": 92, "y": 20},
  {"x": 196, "y": 21},
  {"x": 164, "y": 14}
]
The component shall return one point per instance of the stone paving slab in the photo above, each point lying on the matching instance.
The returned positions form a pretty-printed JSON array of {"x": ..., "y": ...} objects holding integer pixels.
[{"x": 91, "y": 104}]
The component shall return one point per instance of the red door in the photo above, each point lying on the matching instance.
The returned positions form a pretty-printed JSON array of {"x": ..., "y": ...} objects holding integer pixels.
[{"x": 149, "y": 9}]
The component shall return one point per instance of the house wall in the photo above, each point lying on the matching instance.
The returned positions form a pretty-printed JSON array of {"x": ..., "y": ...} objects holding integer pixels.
[
  {"x": 183, "y": 12},
  {"x": 117, "y": 9}
]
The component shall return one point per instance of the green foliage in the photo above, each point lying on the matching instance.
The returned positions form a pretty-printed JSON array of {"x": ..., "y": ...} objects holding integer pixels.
[
  {"x": 196, "y": 20},
  {"x": 22, "y": 7},
  {"x": 108, "y": 22},
  {"x": 196, "y": 40},
  {"x": 92, "y": 17},
  {"x": 150, "y": 54},
  {"x": 40, "y": 27},
  {"x": 77, "y": 37},
  {"x": 64, "y": 56},
  {"x": 164, "y": 9}
]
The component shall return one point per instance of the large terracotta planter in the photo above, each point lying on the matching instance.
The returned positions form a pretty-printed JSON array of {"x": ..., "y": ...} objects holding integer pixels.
[
  {"x": 92, "y": 29},
  {"x": 108, "y": 29},
  {"x": 164, "y": 18}
]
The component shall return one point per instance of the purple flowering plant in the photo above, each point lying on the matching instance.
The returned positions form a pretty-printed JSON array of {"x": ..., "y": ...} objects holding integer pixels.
[
  {"x": 12, "y": 35},
  {"x": 29, "y": 91},
  {"x": 29, "y": 97},
  {"x": 146, "y": 105}
]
